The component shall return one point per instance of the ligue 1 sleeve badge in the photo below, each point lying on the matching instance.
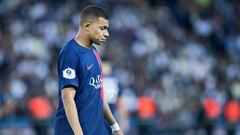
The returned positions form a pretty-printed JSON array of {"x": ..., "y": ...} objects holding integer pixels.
[{"x": 69, "y": 73}]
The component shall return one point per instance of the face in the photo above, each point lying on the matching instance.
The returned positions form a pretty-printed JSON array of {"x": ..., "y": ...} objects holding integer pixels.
[{"x": 98, "y": 31}]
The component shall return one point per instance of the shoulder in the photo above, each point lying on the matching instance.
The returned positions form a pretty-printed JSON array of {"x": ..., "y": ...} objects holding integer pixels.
[
  {"x": 68, "y": 47},
  {"x": 71, "y": 48}
]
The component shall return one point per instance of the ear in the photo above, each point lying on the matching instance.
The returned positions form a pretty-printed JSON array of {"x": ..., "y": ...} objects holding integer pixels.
[{"x": 86, "y": 26}]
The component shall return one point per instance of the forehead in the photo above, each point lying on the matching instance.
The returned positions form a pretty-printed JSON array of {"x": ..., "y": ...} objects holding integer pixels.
[{"x": 102, "y": 22}]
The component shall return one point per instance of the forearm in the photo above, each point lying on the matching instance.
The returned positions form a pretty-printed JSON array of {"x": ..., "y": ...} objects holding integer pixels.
[
  {"x": 108, "y": 114},
  {"x": 111, "y": 120},
  {"x": 72, "y": 115}
]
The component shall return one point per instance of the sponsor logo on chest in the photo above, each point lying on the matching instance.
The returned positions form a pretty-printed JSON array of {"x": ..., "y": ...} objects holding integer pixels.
[{"x": 96, "y": 82}]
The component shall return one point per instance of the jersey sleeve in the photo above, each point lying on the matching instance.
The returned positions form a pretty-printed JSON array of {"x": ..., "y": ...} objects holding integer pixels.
[{"x": 68, "y": 69}]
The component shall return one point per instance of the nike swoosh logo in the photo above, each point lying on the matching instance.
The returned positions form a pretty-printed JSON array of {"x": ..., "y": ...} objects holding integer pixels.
[{"x": 89, "y": 67}]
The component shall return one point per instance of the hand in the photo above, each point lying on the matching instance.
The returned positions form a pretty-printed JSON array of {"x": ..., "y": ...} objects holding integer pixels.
[{"x": 118, "y": 132}]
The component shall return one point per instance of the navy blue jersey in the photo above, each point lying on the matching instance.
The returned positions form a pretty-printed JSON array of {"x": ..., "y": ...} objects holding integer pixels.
[{"x": 80, "y": 67}]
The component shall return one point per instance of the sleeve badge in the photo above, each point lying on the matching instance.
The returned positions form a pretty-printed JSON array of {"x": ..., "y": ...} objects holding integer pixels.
[{"x": 69, "y": 73}]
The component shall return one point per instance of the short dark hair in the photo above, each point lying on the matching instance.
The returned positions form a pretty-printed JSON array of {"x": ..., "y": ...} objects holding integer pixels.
[{"x": 91, "y": 13}]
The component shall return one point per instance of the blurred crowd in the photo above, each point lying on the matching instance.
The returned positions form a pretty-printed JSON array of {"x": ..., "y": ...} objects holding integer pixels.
[{"x": 177, "y": 61}]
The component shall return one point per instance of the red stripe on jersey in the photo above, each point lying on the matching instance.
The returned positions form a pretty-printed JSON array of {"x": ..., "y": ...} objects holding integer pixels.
[{"x": 100, "y": 65}]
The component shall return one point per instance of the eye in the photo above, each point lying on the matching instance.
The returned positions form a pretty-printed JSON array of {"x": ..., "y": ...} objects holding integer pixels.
[{"x": 103, "y": 28}]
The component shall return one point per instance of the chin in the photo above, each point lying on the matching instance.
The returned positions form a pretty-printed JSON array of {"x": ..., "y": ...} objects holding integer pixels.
[{"x": 99, "y": 43}]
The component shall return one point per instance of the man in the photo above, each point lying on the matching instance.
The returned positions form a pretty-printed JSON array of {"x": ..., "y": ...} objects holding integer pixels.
[
  {"x": 113, "y": 95},
  {"x": 82, "y": 107}
]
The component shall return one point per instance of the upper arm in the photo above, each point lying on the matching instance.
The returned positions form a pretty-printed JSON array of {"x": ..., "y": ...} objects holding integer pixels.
[
  {"x": 68, "y": 92},
  {"x": 68, "y": 66}
]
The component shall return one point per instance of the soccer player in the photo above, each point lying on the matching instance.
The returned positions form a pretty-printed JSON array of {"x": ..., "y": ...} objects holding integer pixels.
[
  {"x": 113, "y": 95},
  {"x": 82, "y": 107}
]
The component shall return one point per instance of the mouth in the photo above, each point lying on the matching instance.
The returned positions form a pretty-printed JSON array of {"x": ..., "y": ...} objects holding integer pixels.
[{"x": 103, "y": 40}]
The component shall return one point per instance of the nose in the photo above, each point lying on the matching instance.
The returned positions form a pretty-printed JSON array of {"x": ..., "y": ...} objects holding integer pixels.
[{"x": 106, "y": 34}]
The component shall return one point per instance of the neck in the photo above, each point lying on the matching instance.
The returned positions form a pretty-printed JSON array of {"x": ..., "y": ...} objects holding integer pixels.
[{"x": 82, "y": 40}]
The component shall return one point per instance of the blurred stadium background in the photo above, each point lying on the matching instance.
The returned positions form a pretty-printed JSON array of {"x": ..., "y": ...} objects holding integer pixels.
[{"x": 177, "y": 62}]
